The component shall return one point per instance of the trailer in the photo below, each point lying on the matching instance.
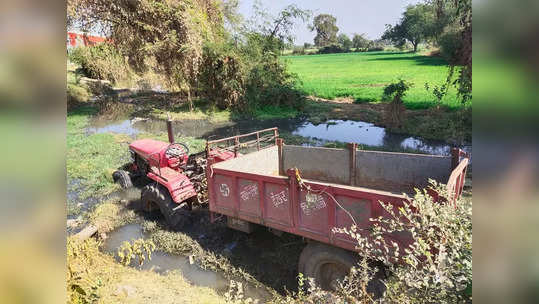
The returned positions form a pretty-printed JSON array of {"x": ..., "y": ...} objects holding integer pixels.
[{"x": 308, "y": 191}]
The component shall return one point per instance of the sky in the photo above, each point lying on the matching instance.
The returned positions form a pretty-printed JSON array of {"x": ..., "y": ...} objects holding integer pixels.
[{"x": 353, "y": 16}]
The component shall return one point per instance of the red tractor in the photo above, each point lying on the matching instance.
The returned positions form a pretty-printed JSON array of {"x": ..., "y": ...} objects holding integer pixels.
[{"x": 176, "y": 178}]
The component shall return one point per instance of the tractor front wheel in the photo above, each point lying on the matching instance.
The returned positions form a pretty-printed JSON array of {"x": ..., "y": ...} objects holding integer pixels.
[
  {"x": 157, "y": 196},
  {"x": 122, "y": 177}
]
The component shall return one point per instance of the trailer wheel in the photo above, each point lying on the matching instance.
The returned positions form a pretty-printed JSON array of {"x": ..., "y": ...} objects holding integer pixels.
[
  {"x": 122, "y": 177},
  {"x": 327, "y": 264},
  {"x": 156, "y": 195}
]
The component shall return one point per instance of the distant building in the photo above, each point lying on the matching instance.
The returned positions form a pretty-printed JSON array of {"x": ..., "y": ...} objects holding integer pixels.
[{"x": 79, "y": 39}]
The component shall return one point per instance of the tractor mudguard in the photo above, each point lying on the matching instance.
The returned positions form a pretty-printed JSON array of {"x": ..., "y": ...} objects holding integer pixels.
[{"x": 178, "y": 184}]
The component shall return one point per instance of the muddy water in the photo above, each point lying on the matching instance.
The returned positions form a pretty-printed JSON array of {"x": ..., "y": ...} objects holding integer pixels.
[
  {"x": 163, "y": 262},
  {"x": 359, "y": 132}
]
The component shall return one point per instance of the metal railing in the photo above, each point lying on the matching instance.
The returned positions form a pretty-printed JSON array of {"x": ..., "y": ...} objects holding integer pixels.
[{"x": 262, "y": 136}]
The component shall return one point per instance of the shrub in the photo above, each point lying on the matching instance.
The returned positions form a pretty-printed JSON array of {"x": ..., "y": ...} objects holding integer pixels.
[
  {"x": 450, "y": 44},
  {"x": 375, "y": 49},
  {"x": 395, "y": 92},
  {"x": 222, "y": 77},
  {"x": 298, "y": 50},
  {"x": 331, "y": 49},
  {"x": 247, "y": 77},
  {"x": 101, "y": 61},
  {"x": 437, "y": 266},
  {"x": 270, "y": 83}
]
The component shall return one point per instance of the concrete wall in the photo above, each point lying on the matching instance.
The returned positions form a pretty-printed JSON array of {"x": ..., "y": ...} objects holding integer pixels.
[
  {"x": 399, "y": 172},
  {"x": 323, "y": 164},
  {"x": 265, "y": 162}
]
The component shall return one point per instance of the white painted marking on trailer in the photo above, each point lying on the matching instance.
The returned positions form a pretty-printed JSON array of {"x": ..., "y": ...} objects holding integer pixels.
[
  {"x": 312, "y": 203},
  {"x": 278, "y": 198},
  {"x": 225, "y": 191},
  {"x": 249, "y": 192}
]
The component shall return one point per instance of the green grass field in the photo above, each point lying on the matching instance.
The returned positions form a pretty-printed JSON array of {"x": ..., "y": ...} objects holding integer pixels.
[{"x": 363, "y": 76}]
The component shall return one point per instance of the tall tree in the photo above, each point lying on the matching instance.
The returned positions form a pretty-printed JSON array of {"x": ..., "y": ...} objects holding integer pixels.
[
  {"x": 415, "y": 26},
  {"x": 326, "y": 30},
  {"x": 344, "y": 41},
  {"x": 360, "y": 42}
]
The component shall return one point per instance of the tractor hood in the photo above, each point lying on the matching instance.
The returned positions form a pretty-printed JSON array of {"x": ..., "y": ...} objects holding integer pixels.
[{"x": 147, "y": 146}]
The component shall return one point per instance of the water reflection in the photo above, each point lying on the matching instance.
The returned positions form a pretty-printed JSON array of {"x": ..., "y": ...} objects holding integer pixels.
[{"x": 359, "y": 132}]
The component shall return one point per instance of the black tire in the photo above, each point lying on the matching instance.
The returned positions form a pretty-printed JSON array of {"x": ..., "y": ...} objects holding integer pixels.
[
  {"x": 122, "y": 177},
  {"x": 155, "y": 195},
  {"x": 327, "y": 264}
]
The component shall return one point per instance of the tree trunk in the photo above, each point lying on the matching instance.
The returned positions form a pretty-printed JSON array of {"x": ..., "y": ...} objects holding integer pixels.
[
  {"x": 415, "y": 46},
  {"x": 189, "y": 100}
]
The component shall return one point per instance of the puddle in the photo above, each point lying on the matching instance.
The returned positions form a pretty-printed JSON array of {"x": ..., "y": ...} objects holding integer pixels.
[
  {"x": 365, "y": 133},
  {"x": 122, "y": 127},
  {"x": 359, "y": 132},
  {"x": 162, "y": 262}
]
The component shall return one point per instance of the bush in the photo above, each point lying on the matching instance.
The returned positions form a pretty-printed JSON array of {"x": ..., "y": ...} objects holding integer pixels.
[
  {"x": 222, "y": 77},
  {"x": 375, "y": 49},
  {"x": 450, "y": 44},
  {"x": 101, "y": 61},
  {"x": 331, "y": 49},
  {"x": 395, "y": 112},
  {"x": 437, "y": 265},
  {"x": 247, "y": 77},
  {"x": 270, "y": 84}
]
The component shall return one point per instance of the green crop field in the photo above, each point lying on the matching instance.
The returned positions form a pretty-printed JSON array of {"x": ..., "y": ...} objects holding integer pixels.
[{"x": 363, "y": 76}]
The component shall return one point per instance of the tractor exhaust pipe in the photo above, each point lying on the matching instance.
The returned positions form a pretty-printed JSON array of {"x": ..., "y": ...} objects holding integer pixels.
[{"x": 169, "y": 131}]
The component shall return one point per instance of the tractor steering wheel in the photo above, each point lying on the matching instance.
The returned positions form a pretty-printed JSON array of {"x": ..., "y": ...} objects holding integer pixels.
[{"x": 177, "y": 152}]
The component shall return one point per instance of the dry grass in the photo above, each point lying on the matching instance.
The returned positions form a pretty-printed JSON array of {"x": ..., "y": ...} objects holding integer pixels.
[{"x": 93, "y": 276}]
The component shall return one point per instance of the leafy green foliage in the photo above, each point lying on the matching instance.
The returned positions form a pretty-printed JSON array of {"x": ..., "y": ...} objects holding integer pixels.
[
  {"x": 395, "y": 109},
  {"x": 326, "y": 30},
  {"x": 436, "y": 267},
  {"x": 247, "y": 74},
  {"x": 397, "y": 90},
  {"x": 345, "y": 42},
  {"x": 222, "y": 76},
  {"x": 360, "y": 42},
  {"x": 415, "y": 26},
  {"x": 270, "y": 83}
]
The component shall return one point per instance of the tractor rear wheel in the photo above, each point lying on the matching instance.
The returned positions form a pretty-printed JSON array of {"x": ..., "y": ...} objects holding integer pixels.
[
  {"x": 122, "y": 177},
  {"x": 156, "y": 195}
]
